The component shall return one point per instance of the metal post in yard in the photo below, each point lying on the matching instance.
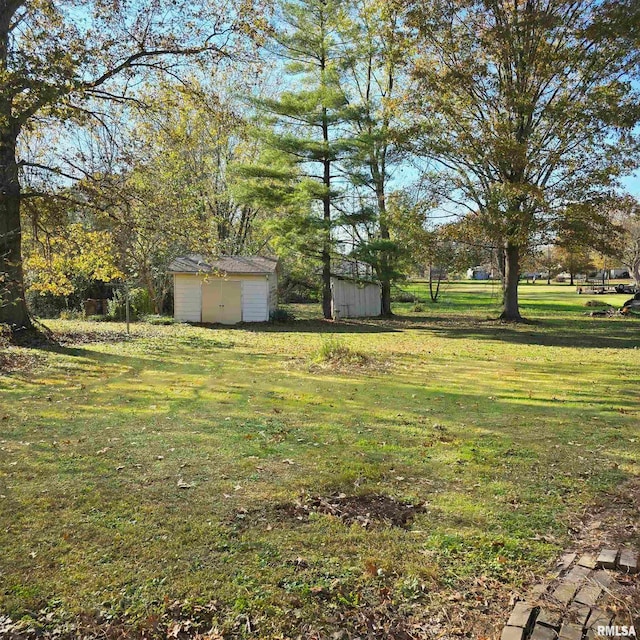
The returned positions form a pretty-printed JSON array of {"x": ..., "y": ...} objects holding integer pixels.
[{"x": 126, "y": 305}]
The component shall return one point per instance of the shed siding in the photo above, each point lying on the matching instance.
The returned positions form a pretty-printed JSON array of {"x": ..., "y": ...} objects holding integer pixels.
[
  {"x": 255, "y": 305},
  {"x": 187, "y": 298},
  {"x": 273, "y": 291},
  {"x": 353, "y": 300},
  {"x": 258, "y": 296}
]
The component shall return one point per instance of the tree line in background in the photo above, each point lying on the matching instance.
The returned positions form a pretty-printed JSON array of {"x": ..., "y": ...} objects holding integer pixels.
[{"x": 378, "y": 138}]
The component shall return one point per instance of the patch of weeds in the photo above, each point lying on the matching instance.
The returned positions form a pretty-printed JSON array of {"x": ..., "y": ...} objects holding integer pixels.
[
  {"x": 71, "y": 314},
  {"x": 403, "y": 296},
  {"x": 333, "y": 352},
  {"x": 417, "y": 308},
  {"x": 412, "y": 588},
  {"x": 270, "y": 428},
  {"x": 158, "y": 320}
]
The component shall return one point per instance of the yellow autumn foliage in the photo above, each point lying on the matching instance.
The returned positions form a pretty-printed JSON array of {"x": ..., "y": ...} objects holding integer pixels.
[{"x": 79, "y": 254}]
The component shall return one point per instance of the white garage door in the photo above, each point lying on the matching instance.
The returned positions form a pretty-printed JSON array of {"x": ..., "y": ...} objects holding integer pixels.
[
  {"x": 255, "y": 296},
  {"x": 187, "y": 298}
]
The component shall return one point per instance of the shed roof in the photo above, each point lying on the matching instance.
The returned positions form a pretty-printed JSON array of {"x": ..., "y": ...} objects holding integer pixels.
[{"x": 195, "y": 263}]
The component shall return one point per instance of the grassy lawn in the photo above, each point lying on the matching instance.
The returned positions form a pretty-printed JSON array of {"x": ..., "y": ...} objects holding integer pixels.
[{"x": 159, "y": 476}]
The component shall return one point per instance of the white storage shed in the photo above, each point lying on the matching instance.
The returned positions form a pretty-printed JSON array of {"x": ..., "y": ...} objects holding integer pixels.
[
  {"x": 228, "y": 290},
  {"x": 355, "y": 298}
]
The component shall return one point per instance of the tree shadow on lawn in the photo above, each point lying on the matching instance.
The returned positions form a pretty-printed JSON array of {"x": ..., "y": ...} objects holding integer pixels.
[
  {"x": 596, "y": 333},
  {"x": 135, "y": 363},
  {"x": 370, "y": 325},
  {"x": 591, "y": 334}
]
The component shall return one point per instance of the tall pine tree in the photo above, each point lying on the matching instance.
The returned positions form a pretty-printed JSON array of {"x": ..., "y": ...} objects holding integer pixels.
[
  {"x": 306, "y": 117},
  {"x": 374, "y": 74}
]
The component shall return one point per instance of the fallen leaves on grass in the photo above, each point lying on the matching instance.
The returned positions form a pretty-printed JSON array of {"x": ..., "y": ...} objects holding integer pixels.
[
  {"x": 15, "y": 359},
  {"x": 90, "y": 337}
]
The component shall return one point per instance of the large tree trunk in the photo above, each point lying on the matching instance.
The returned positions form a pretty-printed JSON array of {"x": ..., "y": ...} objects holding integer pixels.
[
  {"x": 156, "y": 298},
  {"x": 326, "y": 247},
  {"x": 326, "y": 281},
  {"x": 511, "y": 310},
  {"x": 385, "y": 279},
  {"x": 326, "y": 215},
  {"x": 13, "y": 309},
  {"x": 386, "y": 297},
  {"x": 434, "y": 294},
  {"x": 635, "y": 272}
]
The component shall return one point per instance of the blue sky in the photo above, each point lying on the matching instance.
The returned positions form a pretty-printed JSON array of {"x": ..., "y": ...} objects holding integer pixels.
[{"x": 632, "y": 184}]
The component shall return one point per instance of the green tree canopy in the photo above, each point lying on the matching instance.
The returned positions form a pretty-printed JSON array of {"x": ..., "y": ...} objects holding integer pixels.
[
  {"x": 58, "y": 58},
  {"x": 529, "y": 107}
]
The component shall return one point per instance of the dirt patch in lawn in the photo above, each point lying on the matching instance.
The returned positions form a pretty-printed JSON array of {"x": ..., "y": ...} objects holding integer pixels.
[
  {"x": 368, "y": 511},
  {"x": 365, "y": 510}
]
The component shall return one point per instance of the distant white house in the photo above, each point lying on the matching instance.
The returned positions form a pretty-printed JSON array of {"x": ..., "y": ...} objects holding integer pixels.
[
  {"x": 228, "y": 290},
  {"x": 478, "y": 273},
  {"x": 620, "y": 272}
]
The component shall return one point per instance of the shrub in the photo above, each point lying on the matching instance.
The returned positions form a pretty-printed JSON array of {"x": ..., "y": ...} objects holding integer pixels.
[
  {"x": 158, "y": 320},
  {"x": 138, "y": 304},
  {"x": 300, "y": 287},
  {"x": 403, "y": 296},
  {"x": 334, "y": 351},
  {"x": 45, "y": 305},
  {"x": 281, "y": 315},
  {"x": 417, "y": 308},
  {"x": 99, "y": 318}
]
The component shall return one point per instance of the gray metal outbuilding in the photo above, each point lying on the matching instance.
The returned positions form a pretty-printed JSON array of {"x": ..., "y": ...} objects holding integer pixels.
[{"x": 355, "y": 298}]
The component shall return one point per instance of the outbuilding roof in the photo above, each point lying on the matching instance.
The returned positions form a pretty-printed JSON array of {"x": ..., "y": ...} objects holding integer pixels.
[{"x": 225, "y": 264}]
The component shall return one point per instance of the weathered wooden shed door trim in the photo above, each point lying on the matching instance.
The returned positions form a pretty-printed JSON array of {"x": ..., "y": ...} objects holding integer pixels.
[{"x": 221, "y": 301}]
